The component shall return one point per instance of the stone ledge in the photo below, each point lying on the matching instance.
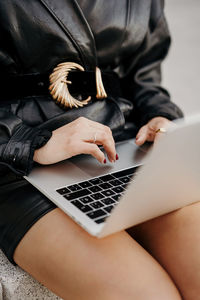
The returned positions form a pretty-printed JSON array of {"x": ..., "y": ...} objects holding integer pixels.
[{"x": 15, "y": 284}]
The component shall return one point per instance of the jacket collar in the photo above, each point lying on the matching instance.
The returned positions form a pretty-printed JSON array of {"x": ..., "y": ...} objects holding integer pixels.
[{"x": 70, "y": 17}]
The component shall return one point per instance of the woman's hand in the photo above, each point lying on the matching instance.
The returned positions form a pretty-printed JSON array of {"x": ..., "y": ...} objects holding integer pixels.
[
  {"x": 147, "y": 133},
  {"x": 77, "y": 137}
]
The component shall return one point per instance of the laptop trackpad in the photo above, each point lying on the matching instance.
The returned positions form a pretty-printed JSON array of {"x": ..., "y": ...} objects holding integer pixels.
[
  {"x": 129, "y": 155},
  {"x": 84, "y": 167}
]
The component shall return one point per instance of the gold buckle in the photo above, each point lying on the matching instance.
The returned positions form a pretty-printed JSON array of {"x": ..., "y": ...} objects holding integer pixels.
[
  {"x": 59, "y": 85},
  {"x": 101, "y": 93}
]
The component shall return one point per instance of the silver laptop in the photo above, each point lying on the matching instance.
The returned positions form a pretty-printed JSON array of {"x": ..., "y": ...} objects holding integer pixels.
[{"x": 104, "y": 199}]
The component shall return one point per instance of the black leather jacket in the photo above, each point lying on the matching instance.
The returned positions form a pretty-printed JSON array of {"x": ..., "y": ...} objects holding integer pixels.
[{"x": 129, "y": 37}]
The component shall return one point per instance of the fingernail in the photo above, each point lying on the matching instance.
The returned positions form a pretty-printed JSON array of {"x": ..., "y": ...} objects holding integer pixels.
[
  {"x": 104, "y": 161},
  {"x": 117, "y": 157}
]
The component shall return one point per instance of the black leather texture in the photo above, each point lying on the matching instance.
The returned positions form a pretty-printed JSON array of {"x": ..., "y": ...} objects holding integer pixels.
[
  {"x": 21, "y": 205},
  {"x": 127, "y": 37}
]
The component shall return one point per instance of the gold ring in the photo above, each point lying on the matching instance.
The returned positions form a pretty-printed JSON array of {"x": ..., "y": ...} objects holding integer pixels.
[
  {"x": 95, "y": 138},
  {"x": 161, "y": 130}
]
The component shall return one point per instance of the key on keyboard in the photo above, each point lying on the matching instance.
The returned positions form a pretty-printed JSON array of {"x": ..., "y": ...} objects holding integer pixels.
[
  {"x": 83, "y": 208},
  {"x": 107, "y": 201},
  {"x": 115, "y": 182},
  {"x": 86, "y": 200},
  {"x": 96, "y": 214},
  {"x": 77, "y": 194},
  {"x": 97, "y": 196},
  {"x": 74, "y": 187},
  {"x": 122, "y": 173},
  {"x": 97, "y": 204}
]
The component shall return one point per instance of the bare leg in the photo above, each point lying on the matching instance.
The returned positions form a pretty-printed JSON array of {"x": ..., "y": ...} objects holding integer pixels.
[
  {"x": 174, "y": 240},
  {"x": 74, "y": 265}
]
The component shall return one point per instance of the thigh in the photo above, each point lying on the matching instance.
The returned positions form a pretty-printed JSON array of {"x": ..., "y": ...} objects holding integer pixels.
[
  {"x": 174, "y": 240},
  {"x": 75, "y": 265},
  {"x": 21, "y": 205}
]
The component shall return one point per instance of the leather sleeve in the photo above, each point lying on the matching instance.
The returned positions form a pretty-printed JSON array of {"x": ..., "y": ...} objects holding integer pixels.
[
  {"x": 18, "y": 143},
  {"x": 142, "y": 81}
]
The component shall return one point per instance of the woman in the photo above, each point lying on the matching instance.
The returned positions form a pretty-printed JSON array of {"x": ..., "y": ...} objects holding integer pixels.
[{"x": 127, "y": 41}]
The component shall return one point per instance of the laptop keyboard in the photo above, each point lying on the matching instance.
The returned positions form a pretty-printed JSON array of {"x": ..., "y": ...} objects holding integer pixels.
[{"x": 97, "y": 197}]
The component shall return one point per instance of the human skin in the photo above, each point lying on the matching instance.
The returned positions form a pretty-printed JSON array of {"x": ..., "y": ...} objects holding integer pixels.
[
  {"x": 148, "y": 132},
  {"x": 77, "y": 266},
  {"x": 174, "y": 241},
  {"x": 78, "y": 137},
  {"x": 158, "y": 259},
  {"x": 69, "y": 261}
]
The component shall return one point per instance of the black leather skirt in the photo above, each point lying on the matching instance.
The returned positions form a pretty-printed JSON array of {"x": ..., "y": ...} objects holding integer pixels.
[{"x": 21, "y": 205}]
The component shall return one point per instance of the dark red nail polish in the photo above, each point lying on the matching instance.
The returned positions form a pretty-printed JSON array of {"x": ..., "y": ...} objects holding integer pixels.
[
  {"x": 104, "y": 161},
  {"x": 117, "y": 157}
]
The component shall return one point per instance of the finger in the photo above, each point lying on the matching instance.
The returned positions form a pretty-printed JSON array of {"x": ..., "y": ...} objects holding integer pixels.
[
  {"x": 154, "y": 125},
  {"x": 142, "y": 135},
  {"x": 103, "y": 136},
  {"x": 159, "y": 135},
  {"x": 95, "y": 124},
  {"x": 92, "y": 149},
  {"x": 159, "y": 122},
  {"x": 84, "y": 122},
  {"x": 100, "y": 134},
  {"x": 105, "y": 139}
]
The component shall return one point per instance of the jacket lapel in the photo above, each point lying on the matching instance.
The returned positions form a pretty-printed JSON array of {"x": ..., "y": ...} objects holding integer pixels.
[{"x": 71, "y": 19}]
